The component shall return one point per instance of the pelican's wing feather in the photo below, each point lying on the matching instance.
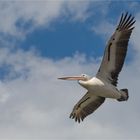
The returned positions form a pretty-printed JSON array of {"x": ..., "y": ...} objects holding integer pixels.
[
  {"x": 115, "y": 51},
  {"x": 87, "y": 105}
]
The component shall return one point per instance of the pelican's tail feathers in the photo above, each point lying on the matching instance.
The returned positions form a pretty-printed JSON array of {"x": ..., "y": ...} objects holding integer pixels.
[{"x": 124, "y": 95}]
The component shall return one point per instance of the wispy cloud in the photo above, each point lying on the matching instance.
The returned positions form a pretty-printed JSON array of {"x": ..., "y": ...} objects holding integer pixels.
[
  {"x": 19, "y": 18},
  {"x": 104, "y": 28}
]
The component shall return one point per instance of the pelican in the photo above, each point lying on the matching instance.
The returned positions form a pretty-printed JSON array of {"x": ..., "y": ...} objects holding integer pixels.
[{"x": 104, "y": 84}]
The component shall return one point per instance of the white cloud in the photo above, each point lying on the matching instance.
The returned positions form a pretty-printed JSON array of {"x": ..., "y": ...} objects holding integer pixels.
[
  {"x": 19, "y": 18},
  {"x": 38, "y": 105},
  {"x": 78, "y": 9},
  {"x": 135, "y": 37},
  {"x": 36, "y": 101},
  {"x": 4, "y": 93},
  {"x": 33, "y": 14},
  {"x": 104, "y": 28}
]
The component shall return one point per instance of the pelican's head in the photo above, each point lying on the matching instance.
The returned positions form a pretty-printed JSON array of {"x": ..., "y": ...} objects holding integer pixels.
[{"x": 82, "y": 77}]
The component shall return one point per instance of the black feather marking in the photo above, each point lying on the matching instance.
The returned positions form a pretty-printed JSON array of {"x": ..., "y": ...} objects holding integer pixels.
[
  {"x": 126, "y": 22},
  {"x": 120, "y": 21},
  {"x": 129, "y": 22},
  {"x": 83, "y": 102},
  {"x": 109, "y": 51},
  {"x": 131, "y": 28},
  {"x": 123, "y": 21}
]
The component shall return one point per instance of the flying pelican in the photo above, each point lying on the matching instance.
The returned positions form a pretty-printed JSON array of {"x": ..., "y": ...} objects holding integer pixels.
[{"x": 104, "y": 84}]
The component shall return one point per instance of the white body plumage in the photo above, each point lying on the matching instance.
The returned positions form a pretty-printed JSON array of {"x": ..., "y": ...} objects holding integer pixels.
[{"x": 100, "y": 88}]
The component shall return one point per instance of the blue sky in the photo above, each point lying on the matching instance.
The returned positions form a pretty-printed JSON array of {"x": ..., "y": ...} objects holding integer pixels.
[
  {"x": 43, "y": 40},
  {"x": 64, "y": 40},
  {"x": 65, "y": 36}
]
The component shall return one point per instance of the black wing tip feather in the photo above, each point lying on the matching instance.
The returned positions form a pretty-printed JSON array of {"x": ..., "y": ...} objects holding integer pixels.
[
  {"x": 77, "y": 119},
  {"x": 126, "y": 22}
]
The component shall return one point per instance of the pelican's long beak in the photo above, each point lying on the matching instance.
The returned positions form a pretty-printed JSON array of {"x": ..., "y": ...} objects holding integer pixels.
[{"x": 72, "y": 78}]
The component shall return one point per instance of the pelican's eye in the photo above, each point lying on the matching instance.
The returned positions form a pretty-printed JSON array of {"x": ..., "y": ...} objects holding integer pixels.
[{"x": 83, "y": 75}]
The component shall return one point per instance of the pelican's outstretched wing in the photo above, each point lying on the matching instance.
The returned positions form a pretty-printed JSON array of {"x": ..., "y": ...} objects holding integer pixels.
[
  {"x": 115, "y": 51},
  {"x": 87, "y": 105}
]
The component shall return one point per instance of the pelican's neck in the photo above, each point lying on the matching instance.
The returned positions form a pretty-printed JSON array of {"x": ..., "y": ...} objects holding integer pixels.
[{"x": 83, "y": 83}]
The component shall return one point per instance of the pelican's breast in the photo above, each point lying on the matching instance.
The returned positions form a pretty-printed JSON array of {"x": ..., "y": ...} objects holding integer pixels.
[{"x": 94, "y": 84}]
